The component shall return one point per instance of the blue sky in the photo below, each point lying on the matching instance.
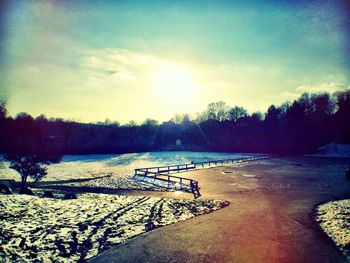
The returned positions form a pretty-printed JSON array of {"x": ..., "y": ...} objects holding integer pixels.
[{"x": 130, "y": 60}]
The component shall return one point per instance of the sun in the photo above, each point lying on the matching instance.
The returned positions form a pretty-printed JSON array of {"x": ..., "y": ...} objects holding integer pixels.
[{"x": 174, "y": 84}]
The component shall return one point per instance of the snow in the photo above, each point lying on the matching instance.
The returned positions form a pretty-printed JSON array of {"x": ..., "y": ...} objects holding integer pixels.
[
  {"x": 334, "y": 218},
  {"x": 56, "y": 230},
  {"x": 249, "y": 175},
  {"x": 333, "y": 150},
  {"x": 117, "y": 169}
]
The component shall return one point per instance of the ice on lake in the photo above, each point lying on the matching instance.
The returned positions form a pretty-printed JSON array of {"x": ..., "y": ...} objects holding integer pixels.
[{"x": 76, "y": 166}]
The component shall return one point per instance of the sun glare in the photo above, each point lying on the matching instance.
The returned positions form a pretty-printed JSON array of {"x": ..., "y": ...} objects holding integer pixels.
[{"x": 174, "y": 84}]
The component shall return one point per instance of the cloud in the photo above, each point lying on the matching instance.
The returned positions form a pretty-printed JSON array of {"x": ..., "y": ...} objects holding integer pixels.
[
  {"x": 125, "y": 75},
  {"x": 287, "y": 95},
  {"x": 324, "y": 87},
  {"x": 119, "y": 84},
  {"x": 120, "y": 64},
  {"x": 290, "y": 95}
]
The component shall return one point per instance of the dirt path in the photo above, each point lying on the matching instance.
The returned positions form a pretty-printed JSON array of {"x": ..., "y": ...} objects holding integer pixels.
[{"x": 270, "y": 218}]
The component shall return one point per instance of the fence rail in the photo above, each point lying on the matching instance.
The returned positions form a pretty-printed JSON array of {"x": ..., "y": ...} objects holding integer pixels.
[
  {"x": 234, "y": 160},
  {"x": 163, "y": 173},
  {"x": 165, "y": 169}
]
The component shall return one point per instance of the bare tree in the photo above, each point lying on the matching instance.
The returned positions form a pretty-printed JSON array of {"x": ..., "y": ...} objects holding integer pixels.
[
  {"x": 218, "y": 111},
  {"x": 3, "y": 111},
  {"x": 237, "y": 112}
]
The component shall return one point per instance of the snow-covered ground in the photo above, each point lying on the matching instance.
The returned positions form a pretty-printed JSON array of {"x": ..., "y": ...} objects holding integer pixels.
[
  {"x": 120, "y": 167},
  {"x": 47, "y": 230},
  {"x": 333, "y": 150},
  {"x": 35, "y": 229},
  {"x": 334, "y": 218}
]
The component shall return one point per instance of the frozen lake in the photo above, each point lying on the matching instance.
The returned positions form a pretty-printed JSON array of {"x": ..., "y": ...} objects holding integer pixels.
[
  {"x": 117, "y": 165},
  {"x": 153, "y": 158}
]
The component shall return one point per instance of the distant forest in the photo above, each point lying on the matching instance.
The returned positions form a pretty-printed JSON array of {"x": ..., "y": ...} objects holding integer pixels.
[{"x": 300, "y": 126}]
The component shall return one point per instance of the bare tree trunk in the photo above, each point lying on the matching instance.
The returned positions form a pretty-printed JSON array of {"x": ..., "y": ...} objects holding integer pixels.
[{"x": 24, "y": 180}]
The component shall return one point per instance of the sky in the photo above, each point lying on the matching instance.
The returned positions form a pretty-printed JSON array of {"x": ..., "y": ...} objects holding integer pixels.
[{"x": 131, "y": 60}]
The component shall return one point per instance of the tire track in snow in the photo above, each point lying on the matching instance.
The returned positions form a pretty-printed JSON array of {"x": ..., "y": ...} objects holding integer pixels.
[
  {"x": 87, "y": 244},
  {"x": 154, "y": 215}
]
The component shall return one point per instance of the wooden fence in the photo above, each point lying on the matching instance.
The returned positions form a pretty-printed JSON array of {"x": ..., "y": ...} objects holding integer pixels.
[{"x": 162, "y": 175}]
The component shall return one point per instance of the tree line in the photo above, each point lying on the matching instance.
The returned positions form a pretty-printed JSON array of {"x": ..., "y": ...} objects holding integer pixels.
[{"x": 300, "y": 126}]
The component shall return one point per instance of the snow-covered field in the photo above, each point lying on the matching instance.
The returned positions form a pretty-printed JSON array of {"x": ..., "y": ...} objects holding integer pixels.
[
  {"x": 119, "y": 168},
  {"x": 55, "y": 230},
  {"x": 334, "y": 218},
  {"x": 47, "y": 229}
]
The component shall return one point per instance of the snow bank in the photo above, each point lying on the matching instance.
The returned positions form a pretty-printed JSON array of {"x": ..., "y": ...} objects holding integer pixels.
[
  {"x": 333, "y": 150},
  {"x": 334, "y": 218}
]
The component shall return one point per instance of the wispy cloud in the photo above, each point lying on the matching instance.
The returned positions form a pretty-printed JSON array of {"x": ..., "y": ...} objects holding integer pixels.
[
  {"x": 323, "y": 87},
  {"x": 320, "y": 88}
]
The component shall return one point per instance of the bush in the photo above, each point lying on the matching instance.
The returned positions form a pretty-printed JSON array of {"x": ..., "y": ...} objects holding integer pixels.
[{"x": 31, "y": 165}]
